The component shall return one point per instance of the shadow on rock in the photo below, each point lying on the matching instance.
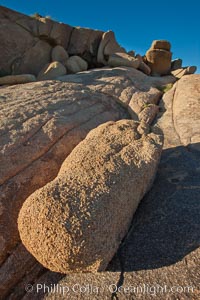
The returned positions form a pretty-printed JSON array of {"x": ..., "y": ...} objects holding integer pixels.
[{"x": 166, "y": 226}]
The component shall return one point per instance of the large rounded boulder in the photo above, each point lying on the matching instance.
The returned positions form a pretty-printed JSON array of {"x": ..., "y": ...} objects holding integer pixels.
[{"x": 77, "y": 221}]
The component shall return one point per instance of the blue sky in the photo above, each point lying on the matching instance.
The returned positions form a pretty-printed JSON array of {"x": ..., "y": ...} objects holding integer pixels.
[{"x": 135, "y": 23}]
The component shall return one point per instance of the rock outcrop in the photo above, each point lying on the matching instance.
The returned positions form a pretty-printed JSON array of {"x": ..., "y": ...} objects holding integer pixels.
[
  {"x": 42, "y": 122},
  {"x": 29, "y": 44},
  {"x": 34, "y": 58},
  {"x": 167, "y": 219},
  {"x": 77, "y": 221},
  {"x": 131, "y": 88},
  {"x": 182, "y": 113},
  {"x": 46, "y": 123}
]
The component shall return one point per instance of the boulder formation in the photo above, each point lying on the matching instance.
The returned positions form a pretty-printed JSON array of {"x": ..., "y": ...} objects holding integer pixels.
[
  {"x": 49, "y": 119},
  {"x": 176, "y": 186},
  {"x": 42, "y": 122},
  {"x": 32, "y": 44},
  {"x": 167, "y": 218},
  {"x": 45, "y": 123},
  {"x": 77, "y": 221}
]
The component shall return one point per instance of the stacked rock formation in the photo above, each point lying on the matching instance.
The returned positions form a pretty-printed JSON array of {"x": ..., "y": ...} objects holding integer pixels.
[
  {"x": 158, "y": 57},
  {"x": 41, "y": 49}
]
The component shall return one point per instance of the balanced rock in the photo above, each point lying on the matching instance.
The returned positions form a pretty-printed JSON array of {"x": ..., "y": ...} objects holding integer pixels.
[
  {"x": 77, "y": 221},
  {"x": 123, "y": 59},
  {"x": 59, "y": 54},
  {"x": 76, "y": 64},
  {"x": 52, "y": 71},
  {"x": 159, "y": 59},
  {"x": 16, "y": 79}
]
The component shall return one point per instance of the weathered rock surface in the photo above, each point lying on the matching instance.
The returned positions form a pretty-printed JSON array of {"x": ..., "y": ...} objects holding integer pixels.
[
  {"x": 168, "y": 218},
  {"x": 132, "y": 88},
  {"x": 14, "y": 44},
  {"x": 52, "y": 71},
  {"x": 77, "y": 221},
  {"x": 182, "y": 113},
  {"x": 44, "y": 122},
  {"x": 33, "y": 60},
  {"x": 16, "y": 79},
  {"x": 76, "y": 64},
  {"x": 156, "y": 221},
  {"x": 27, "y": 42},
  {"x": 15, "y": 268},
  {"x": 59, "y": 54},
  {"x": 148, "y": 114},
  {"x": 123, "y": 59}
]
